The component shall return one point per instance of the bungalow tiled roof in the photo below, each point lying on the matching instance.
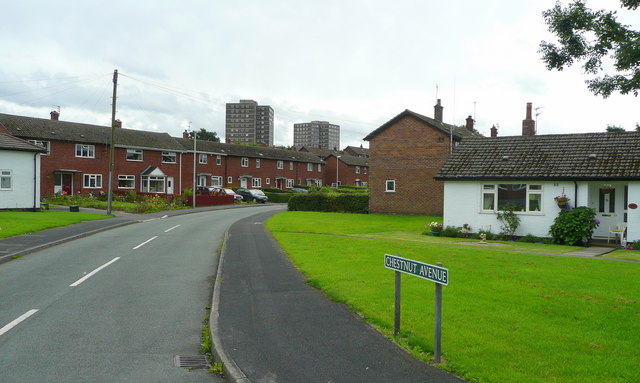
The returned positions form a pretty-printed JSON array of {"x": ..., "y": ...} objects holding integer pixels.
[
  {"x": 46, "y": 129},
  {"x": 249, "y": 151},
  {"x": 586, "y": 156},
  {"x": 8, "y": 142},
  {"x": 459, "y": 132}
]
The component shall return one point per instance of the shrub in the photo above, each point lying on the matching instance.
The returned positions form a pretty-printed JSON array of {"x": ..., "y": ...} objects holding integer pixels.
[
  {"x": 574, "y": 227},
  {"x": 279, "y": 197},
  {"x": 533, "y": 239},
  {"x": 509, "y": 220},
  {"x": 451, "y": 231},
  {"x": 342, "y": 203}
]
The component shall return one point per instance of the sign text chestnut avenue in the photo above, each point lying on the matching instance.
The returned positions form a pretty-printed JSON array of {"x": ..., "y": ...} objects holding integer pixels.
[{"x": 421, "y": 270}]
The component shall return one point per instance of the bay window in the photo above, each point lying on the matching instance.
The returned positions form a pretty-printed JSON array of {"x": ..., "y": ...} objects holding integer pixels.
[{"x": 524, "y": 197}]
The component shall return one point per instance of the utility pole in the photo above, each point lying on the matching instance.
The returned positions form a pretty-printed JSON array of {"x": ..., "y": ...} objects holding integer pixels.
[
  {"x": 194, "y": 165},
  {"x": 112, "y": 144}
]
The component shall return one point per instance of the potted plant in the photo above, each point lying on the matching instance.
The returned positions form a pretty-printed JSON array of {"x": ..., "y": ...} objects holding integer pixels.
[
  {"x": 435, "y": 228},
  {"x": 562, "y": 201}
]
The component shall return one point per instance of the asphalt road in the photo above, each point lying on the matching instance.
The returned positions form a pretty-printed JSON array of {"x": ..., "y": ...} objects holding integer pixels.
[{"x": 113, "y": 307}]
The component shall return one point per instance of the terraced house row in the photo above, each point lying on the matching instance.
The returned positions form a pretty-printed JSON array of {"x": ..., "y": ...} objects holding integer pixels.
[{"x": 77, "y": 160}]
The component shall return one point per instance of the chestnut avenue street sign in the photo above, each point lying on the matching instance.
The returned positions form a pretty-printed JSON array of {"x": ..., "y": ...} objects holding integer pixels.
[{"x": 426, "y": 271}]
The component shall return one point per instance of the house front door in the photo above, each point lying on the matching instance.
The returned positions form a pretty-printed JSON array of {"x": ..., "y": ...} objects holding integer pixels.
[
  {"x": 63, "y": 183},
  {"x": 243, "y": 183},
  {"x": 608, "y": 209},
  {"x": 169, "y": 185}
]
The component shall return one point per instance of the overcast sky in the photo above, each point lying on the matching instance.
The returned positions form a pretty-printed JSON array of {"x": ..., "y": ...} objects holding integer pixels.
[{"x": 351, "y": 62}]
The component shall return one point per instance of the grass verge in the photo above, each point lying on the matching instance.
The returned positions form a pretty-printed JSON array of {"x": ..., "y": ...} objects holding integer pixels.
[
  {"x": 507, "y": 317},
  {"x": 14, "y": 223}
]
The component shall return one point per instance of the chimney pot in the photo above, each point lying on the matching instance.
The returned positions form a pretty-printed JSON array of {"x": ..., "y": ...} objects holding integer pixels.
[
  {"x": 470, "y": 124},
  {"x": 494, "y": 131},
  {"x": 185, "y": 134},
  {"x": 55, "y": 115},
  {"x": 117, "y": 124},
  {"x": 437, "y": 115},
  {"x": 528, "y": 124}
]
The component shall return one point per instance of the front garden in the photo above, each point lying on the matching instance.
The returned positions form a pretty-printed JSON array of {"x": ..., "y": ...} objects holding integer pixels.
[
  {"x": 130, "y": 202},
  {"x": 509, "y": 314}
]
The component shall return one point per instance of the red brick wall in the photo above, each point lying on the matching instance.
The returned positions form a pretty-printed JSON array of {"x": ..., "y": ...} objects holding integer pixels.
[
  {"x": 411, "y": 153},
  {"x": 347, "y": 174}
]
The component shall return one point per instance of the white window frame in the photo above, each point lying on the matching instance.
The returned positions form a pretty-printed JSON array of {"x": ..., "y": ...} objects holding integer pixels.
[
  {"x": 280, "y": 165},
  {"x": 319, "y": 168},
  {"x": 203, "y": 158},
  {"x": 256, "y": 182},
  {"x": 390, "y": 186},
  {"x": 309, "y": 167},
  {"x": 257, "y": 163},
  {"x": 267, "y": 181},
  {"x": 290, "y": 165},
  {"x": 244, "y": 162},
  {"x": 289, "y": 183},
  {"x": 44, "y": 144},
  {"x": 169, "y": 157},
  {"x": 218, "y": 160},
  {"x": 357, "y": 169},
  {"x": 216, "y": 181},
  {"x": 92, "y": 181},
  {"x": 85, "y": 151},
  {"x": 127, "y": 178},
  {"x": 135, "y": 155},
  {"x": 229, "y": 180},
  {"x": 531, "y": 190},
  {"x": 6, "y": 179},
  {"x": 145, "y": 184}
]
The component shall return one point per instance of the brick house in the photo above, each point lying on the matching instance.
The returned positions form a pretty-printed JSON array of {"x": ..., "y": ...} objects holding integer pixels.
[
  {"x": 405, "y": 154},
  {"x": 77, "y": 160},
  {"x": 357, "y": 151},
  {"x": 351, "y": 170},
  {"x": 252, "y": 166}
]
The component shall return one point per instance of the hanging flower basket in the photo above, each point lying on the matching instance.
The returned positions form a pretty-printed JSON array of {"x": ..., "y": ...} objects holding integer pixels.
[{"x": 562, "y": 201}]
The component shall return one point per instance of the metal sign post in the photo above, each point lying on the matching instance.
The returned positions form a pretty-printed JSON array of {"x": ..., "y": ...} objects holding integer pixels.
[{"x": 437, "y": 274}]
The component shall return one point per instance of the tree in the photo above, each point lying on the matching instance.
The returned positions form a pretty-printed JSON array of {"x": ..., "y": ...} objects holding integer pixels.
[
  {"x": 591, "y": 36},
  {"x": 615, "y": 129},
  {"x": 205, "y": 135}
]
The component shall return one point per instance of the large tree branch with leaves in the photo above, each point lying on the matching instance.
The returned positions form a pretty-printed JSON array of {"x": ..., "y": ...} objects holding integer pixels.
[{"x": 592, "y": 37}]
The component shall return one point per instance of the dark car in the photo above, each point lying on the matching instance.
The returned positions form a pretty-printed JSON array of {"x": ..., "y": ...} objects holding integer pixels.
[{"x": 252, "y": 195}]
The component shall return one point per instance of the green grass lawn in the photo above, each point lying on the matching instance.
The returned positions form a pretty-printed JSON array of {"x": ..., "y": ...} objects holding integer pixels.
[
  {"x": 507, "y": 316},
  {"x": 14, "y": 223}
]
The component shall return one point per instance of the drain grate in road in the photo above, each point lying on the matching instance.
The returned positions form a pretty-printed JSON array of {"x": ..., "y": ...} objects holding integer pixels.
[{"x": 190, "y": 361}]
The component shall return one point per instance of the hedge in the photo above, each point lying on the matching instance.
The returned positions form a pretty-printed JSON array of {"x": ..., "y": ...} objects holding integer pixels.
[
  {"x": 340, "y": 203},
  {"x": 279, "y": 197}
]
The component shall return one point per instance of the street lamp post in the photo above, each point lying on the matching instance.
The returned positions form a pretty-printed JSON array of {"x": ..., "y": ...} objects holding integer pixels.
[
  {"x": 337, "y": 167},
  {"x": 194, "y": 168}
]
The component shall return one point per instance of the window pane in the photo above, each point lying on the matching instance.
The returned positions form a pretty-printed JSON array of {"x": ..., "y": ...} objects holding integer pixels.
[
  {"x": 488, "y": 201},
  {"x": 512, "y": 194},
  {"x": 535, "y": 202}
]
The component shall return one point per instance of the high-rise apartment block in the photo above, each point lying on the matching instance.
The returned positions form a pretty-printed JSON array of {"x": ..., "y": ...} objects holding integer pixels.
[
  {"x": 317, "y": 134},
  {"x": 250, "y": 123}
]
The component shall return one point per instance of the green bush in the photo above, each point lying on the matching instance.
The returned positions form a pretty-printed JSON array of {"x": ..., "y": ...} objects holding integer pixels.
[
  {"x": 574, "y": 227},
  {"x": 280, "y": 197},
  {"x": 276, "y": 190},
  {"x": 533, "y": 239},
  {"x": 509, "y": 220},
  {"x": 343, "y": 203}
]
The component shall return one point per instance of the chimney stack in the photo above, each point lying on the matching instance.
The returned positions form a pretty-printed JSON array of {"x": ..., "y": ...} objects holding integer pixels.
[
  {"x": 528, "y": 124},
  {"x": 185, "y": 134},
  {"x": 437, "y": 115},
  {"x": 118, "y": 124},
  {"x": 55, "y": 115},
  {"x": 470, "y": 124},
  {"x": 494, "y": 132}
]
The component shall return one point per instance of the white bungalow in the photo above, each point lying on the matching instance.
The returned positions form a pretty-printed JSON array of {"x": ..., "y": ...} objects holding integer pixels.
[
  {"x": 19, "y": 173},
  {"x": 598, "y": 170}
]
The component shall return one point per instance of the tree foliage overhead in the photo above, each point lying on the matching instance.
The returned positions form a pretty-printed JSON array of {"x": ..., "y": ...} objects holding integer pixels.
[
  {"x": 591, "y": 36},
  {"x": 205, "y": 135}
]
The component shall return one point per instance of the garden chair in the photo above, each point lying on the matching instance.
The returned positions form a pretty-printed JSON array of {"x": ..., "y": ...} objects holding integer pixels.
[{"x": 617, "y": 231}]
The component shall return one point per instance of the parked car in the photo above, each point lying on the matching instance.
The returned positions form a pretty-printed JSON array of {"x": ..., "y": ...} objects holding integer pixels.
[
  {"x": 205, "y": 189},
  {"x": 299, "y": 190},
  {"x": 227, "y": 191},
  {"x": 252, "y": 195}
]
